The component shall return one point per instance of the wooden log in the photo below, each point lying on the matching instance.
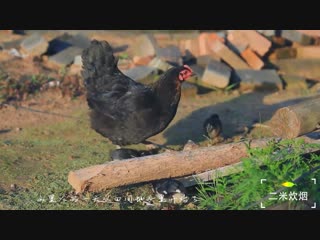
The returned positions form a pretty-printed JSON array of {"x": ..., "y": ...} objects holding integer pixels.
[
  {"x": 231, "y": 169},
  {"x": 160, "y": 166},
  {"x": 296, "y": 120}
]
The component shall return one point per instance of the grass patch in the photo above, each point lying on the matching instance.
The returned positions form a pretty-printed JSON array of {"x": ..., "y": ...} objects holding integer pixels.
[
  {"x": 283, "y": 161},
  {"x": 39, "y": 159}
]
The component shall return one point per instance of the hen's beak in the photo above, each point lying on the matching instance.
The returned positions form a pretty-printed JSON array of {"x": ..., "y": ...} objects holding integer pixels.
[{"x": 193, "y": 74}]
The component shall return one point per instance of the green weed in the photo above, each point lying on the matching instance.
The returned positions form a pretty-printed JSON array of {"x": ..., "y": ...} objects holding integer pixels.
[{"x": 279, "y": 162}]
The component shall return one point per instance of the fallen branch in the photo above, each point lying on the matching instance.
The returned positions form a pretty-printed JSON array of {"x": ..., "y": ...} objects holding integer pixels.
[{"x": 160, "y": 166}]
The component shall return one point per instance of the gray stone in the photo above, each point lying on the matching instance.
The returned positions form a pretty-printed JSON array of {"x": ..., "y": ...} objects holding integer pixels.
[
  {"x": 197, "y": 70},
  {"x": 159, "y": 64},
  {"x": 15, "y": 52},
  {"x": 77, "y": 60},
  {"x": 143, "y": 74},
  {"x": 11, "y": 44},
  {"x": 295, "y": 36},
  {"x": 189, "y": 89},
  {"x": 221, "y": 34},
  {"x": 34, "y": 44},
  {"x": 204, "y": 60},
  {"x": 307, "y": 68},
  {"x": 267, "y": 33},
  {"x": 67, "y": 56},
  {"x": 79, "y": 40},
  {"x": 198, "y": 73},
  {"x": 146, "y": 45},
  {"x": 263, "y": 78},
  {"x": 66, "y": 40},
  {"x": 170, "y": 54},
  {"x": 217, "y": 74}
]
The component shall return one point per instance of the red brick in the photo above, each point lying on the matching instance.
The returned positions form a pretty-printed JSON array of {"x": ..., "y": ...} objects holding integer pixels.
[
  {"x": 252, "y": 59},
  {"x": 205, "y": 59},
  {"x": 256, "y": 41},
  {"x": 227, "y": 55}
]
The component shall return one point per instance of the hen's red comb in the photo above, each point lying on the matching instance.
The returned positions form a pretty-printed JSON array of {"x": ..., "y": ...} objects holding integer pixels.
[{"x": 187, "y": 67}]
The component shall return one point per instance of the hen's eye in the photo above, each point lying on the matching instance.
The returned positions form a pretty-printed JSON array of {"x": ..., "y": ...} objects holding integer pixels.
[{"x": 181, "y": 76}]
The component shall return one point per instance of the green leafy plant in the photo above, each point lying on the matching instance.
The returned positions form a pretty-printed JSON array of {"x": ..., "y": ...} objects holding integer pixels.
[
  {"x": 225, "y": 90},
  {"x": 123, "y": 56},
  {"x": 279, "y": 162}
]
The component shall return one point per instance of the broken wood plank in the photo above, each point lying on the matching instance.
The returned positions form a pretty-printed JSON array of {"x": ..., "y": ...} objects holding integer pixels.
[
  {"x": 296, "y": 120},
  {"x": 166, "y": 165}
]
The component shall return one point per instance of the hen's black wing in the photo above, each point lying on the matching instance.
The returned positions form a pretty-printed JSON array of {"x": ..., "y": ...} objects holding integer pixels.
[{"x": 109, "y": 91}]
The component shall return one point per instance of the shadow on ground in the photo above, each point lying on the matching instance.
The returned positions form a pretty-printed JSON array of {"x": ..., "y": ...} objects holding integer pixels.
[
  {"x": 235, "y": 114},
  {"x": 5, "y": 131}
]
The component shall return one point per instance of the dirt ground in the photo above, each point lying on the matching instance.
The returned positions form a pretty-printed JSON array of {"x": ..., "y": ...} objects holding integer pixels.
[
  {"x": 238, "y": 112},
  {"x": 53, "y": 124}
]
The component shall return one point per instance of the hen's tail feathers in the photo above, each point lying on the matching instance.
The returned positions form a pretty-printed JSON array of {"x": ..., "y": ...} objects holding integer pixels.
[{"x": 98, "y": 61}]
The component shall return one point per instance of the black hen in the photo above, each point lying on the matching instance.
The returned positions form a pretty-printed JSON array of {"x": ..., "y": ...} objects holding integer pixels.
[{"x": 125, "y": 111}]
